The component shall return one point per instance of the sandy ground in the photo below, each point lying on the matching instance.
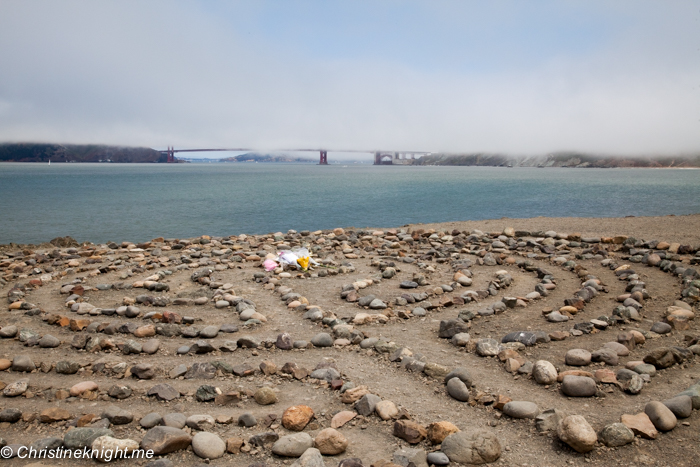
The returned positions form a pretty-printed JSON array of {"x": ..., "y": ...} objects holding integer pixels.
[{"x": 424, "y": 398}]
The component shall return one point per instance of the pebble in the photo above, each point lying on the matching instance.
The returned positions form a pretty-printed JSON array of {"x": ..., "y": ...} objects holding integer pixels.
[
  {"x": 437, "y": 458},
  {"x": 661, "y": 416},
  {"x": 472, "y": 446},
  {"x": 322, "y": 339},
  {"x": 544, "y": 372},
  {"x": 16, "y": 389},
  {"x": 208, "y": 445},
  {"x": 578, "y": 357},
  {"x": 23, "y": 363},
  {"x": 292, "y": 445},
  {"x": 681, "y": 406},
  {"x": 521, "y": 409},
  {"x": 458, "y": 390},
  {"x": 578, "y": 386},
  {"x": 616, "y": 434},
  {"x": 330, "y": 442},
  {"x": 150, "y": 420},
  {"x": 575, "y": 431},
  {"x": 165, "y": 439}
]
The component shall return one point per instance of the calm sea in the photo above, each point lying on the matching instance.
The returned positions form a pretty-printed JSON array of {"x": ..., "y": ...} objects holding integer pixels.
[{"x": 137, "y": 202}]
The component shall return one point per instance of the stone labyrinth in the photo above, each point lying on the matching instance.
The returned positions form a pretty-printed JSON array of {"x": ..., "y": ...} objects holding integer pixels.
[{"x": 399, "y": 347}]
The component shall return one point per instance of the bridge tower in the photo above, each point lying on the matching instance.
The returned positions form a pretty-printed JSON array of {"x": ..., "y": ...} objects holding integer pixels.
[
  {"x": 171, "y": 154},
  {"x": 324, "y": 158}
]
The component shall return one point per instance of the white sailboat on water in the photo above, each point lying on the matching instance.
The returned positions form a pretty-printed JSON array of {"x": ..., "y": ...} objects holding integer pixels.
[{"x": 49, "y": 161}]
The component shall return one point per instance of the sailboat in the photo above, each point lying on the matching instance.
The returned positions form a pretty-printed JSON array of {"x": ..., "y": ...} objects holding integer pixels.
[{"x": 49, "y": 161}]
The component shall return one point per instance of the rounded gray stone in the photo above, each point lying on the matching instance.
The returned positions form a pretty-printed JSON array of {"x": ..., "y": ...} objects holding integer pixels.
[
  {"x": 521, "y": 409},
  {"x": 578, "y": 386}
]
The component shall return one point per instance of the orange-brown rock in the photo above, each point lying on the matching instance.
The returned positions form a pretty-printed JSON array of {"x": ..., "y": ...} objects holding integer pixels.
[
  {"x": 5, "y": 364},
  {"x": 560, "y": 376},
  {"x": 500, "y": 402},
  {"x": 410, "y": 431},
  {"x": 353, "y": 395},
  {"x": 296, "y": 417},
  {"x": 605, "y": 375},
  {"x": 79, "y": 324},
  {"x": 145, "y": 331},
  {"x": 640, "y": 424},
  {"x": 54, "y": 414},
  {"x": 86, "y": 420},
  {"x": 330, "y": 442},
  {"x": 438, "y": 431},
  {"x": 341, "y": 418}
]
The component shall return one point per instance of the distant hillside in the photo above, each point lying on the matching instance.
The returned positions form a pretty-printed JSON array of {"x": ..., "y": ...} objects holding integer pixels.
[
  {"x": 563, "y": 159},
  {"x": 255, "y": 157},
  {"x": 34, "y": 152}
]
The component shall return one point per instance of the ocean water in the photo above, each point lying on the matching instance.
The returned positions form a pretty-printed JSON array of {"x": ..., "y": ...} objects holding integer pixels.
[{"x": 137, "y": 202}]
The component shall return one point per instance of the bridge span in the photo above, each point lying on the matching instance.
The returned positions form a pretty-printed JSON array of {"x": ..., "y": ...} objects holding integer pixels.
[{"x": 380, "y": 157}]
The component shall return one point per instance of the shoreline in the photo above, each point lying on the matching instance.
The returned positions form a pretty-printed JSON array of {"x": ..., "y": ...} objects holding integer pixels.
[{"x": 684, "y": 229}]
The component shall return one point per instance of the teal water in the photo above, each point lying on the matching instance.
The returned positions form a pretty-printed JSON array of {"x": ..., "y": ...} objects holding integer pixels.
[{"x": 137, "y": 202}]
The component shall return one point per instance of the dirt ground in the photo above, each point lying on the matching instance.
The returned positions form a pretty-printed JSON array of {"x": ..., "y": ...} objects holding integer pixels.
[{"x": 424, "y": 398}]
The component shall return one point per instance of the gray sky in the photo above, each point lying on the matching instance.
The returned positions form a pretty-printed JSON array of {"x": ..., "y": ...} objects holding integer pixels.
[{"x": 617, "y": 77}]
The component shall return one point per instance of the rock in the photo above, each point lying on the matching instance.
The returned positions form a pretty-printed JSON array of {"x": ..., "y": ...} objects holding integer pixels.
[
  {"x": 620, "y": 350},
  {"x": 661, "y": 328},
  {"x": 206, "y": 393},
  {"x": 45, "y": 443},
  {"x": 284, "y": 341},
  {"x": 312, "y": 458},
  {"x": 616, "y": 434},
  {"x": 487, "y": 347},
  {"x": 247, "y": 420},
  {"x": 544, "y": 372},
  {"x": 640, "y": 425},
  {"x": 409, "y": 431},
  {"x": 578, "y": 386},
  {"x": 201, "y": 370},
  {"x": 296, "y": 417},
  {"x": 325, "y": 374},
  {"x": 474, "y": 446},
  {"x": 150, "y": 420},
  {"x": 164, "y": 392},
  {"x": 410, "y": 457},
  {"x": 630, "y": 381},
  {"x": 79, "y": 438},
  {"x": 293, "y": 445},
  {"x": 458, "y": 390},
  {"x": 367, "y": 404},
  {"x": 461, "y": 373},
  {"x": 64, "y": 367},
  {"x": 23, "y": 363},
  {"x": 117, "y": 415},
  {"x": 435, "y": 370},
  {"x": 661, "y": 416},
  {"x": 82, "y": 387},
  {"x": 16, "y": 389},
  {"x": 143, "y": 371},
  {"x": 448, "y": 328},
  {"x": 578, "y": 357},
  {"x": 265, "y": 396},
  {"x": 438, "y": 431},
  {"x": 322, "y": 339},
  {"x": 165, "y": 439},
  {"x": 386, "y": 410},
  {"x": 13, "y": 415},
  {"x": 575, "y": 431},
  {"x": 109, "y": 448},
  {"x": 549, "y": 420},
  {"x": 341, "y": 418},
  {"x": 151, "y": 346},
  {"x": 461, "y": 339},
  {"x": 200, "y": 422},
  {"x": 175, "y": 420},
  {"x": 48, "y": 342},
  {"x": 208, "y": 445},
  {"x": 330, "y": 442},
  {"x": 437, "y": 458},
  {"x": 681, "y": 406},
  {"x": 605, "y": 355},
  {"x": 521, "y": 409}
]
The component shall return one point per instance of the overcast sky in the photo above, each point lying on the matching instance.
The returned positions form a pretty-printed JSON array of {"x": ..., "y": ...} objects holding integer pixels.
[{"x": 614, "y": 77}]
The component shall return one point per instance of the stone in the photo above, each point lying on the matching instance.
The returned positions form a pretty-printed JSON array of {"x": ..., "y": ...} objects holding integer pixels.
[
  {"x": 208, "y": 445},
  {"x": 117, "y": 415},
  {"x": 616, "y": 434},
  {"x": 448, "y": 328},
  {"x": 206, "y": 393},
  {"x": 292, "y": 445},
  {"x": 437, "y": 458},
  {"x": 16, "y": 389},
  {"x": 151, "y": 346},
  {"x": 234, "y": 445},
  {"x": 150, "y": 420},
  {"x": 165, "y": 439},
  {"x": 474, "y": 446},
  {"x": 82, "y": 387},
  {"x": 549, "y": 420},
  {"x": 247, "y": 420},
  {"x": 164, "y": 392},
  {"x": 109, "y": 448},
  {"x": 311, "y": 458},
  {"x": 458, "y": 390},
  {"x": 48, "y": 342},
  {"x": 296, "y": 417},
  {"x": 661, "y": 416},
  {"x": 175, "y": 420},
  {"x": 367, "y": 404},
  {"x": 79, "y": 438},
  {"x": 575, "y": 431},
  {"x": 386, "y": 410},
  {"x": 521, "y": 409},
  {"x": 330, "y": 442},
  {"x": 201, "y": 422},
  {"x": 461, "y": 373},
  {"x": 605, "y": 355},
  {"x": 410, "y": 457},
  {"x": 23, "y": 363},
  {"x": 201, "y": 370},
  {"x": 341, "y": 418},
  {"x": 578, "y": 357},
  {"x": 619, "y": 349},
  {"x": 544, "y": 372},
  {"x": 284, "y": 341},
  {"x": 322, "y": 339},
  {"x": 438, "y": 431},
  {"x": 681, "y": 406},
  {"x": 265, "y": 396},
  {"x": 661, "y": 328},
  {"x": 13, "y": 415},
  {"x": 640, "y": 425},
  {"x": 487, "y": 347},
  {"x": 629, "y": 381},
  {"x": 143, "y": 371},
  {"x": 409, "y": 431},
  {"x": 578, "y": 386}
]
